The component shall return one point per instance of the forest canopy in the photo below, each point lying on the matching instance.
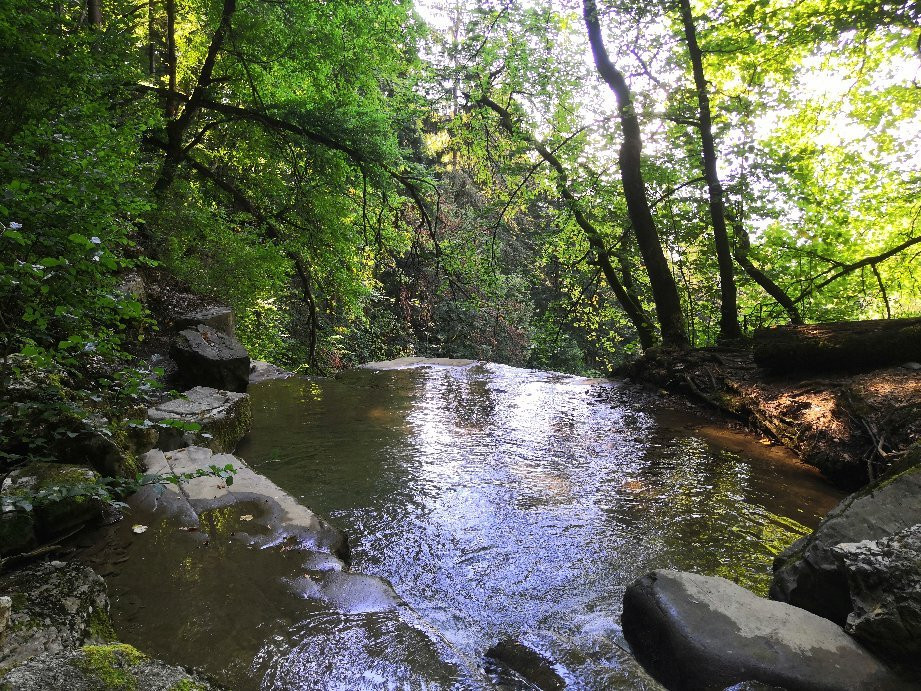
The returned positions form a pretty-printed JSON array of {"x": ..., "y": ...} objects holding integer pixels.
[{"x": 545, "y": 183}]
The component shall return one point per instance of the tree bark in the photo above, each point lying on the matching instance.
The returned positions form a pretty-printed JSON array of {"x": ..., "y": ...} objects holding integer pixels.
[
  {"x": 172, "y": 61},
  {"x": 627, "y": 300},
  {"x": 851, "y": 346},
  {"x": 729, "y": 310},
  {"x": 94, "y": 12},
  {"x": 664, "y": 290}
]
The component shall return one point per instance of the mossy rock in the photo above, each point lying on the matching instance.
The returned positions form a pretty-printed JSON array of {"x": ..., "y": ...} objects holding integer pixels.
[
  {"x": 203, "y": 416},
  {"x": 55, "y": 606},
  {"x": 52, "y": 518},
  {"x": 113, "y": 666}
]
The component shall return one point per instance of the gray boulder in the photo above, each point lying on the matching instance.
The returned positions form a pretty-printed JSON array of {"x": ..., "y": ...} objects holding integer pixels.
[
  {"x": 225, "y": 418},
  {"x": 885, "y": 586},
  {"x": 704, "y": 632},
  {"x": 54, "y": 606},
  {"x": 95, "y": 667},
  {"x": 207, "y": 356},
  {"x": 217, "y": 317},
  {"x": 808, "y": 574}
]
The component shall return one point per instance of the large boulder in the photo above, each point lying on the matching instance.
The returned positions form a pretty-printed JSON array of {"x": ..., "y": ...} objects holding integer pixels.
[
  {"x": 95, "y": 667},
  {"x": 54, "y": 606},
  {"x": 884, "y": 577},
  {"x": 704, "y": 632},
  {"x": 207, "y": 356},
  {"x": 810, "y": 575},
  {"x": 223, "y": 418}
]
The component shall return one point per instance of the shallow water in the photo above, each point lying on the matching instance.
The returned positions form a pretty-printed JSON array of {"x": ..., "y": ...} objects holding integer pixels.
[
  {"x": 498, "y": 501},
  {"x": 506, "y": 502}
]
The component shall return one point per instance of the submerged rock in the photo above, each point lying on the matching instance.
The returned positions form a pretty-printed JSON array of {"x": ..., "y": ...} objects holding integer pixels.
[
  {"x": 54, "y": 606},
  {"x": 704, "y": 632},
  {"x": 207, "y": 356},
  {"x": 810, "y": 575},
  {"x": 884, "y": 577},
  {"x": 528, "y": 663},
  {"x": 281, "y": 517},
  {"x": 95, "y": 667},
  {"x": 224, "y": 416}
]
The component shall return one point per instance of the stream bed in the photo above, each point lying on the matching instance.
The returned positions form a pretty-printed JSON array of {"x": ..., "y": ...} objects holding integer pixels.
[{"x": 499, "y": 502}]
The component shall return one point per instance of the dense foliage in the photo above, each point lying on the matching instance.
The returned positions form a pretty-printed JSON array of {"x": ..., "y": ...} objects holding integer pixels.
[{"x": 362, "y": 180}]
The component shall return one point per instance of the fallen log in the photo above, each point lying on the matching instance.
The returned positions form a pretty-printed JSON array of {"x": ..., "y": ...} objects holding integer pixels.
[{"x": 849, "y": 346}]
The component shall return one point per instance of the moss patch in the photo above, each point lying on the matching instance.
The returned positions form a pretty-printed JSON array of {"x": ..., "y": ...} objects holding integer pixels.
[
  {"x": 110, "y": 665},
  {"x": 99, "y": 626}
]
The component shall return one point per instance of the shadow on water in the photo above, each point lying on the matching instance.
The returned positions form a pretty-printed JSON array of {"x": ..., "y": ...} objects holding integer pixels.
[{"x": 498, "y": 501}]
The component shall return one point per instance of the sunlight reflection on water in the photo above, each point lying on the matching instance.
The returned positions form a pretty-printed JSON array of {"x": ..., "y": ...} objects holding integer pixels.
[{"x": 506, "y": 502}]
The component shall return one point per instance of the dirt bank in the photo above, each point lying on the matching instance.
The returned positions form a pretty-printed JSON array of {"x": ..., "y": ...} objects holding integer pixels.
[{"x": 854, "y": 427}]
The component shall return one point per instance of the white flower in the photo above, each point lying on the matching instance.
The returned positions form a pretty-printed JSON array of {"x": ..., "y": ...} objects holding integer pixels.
[{"x": 15, "y": 226}]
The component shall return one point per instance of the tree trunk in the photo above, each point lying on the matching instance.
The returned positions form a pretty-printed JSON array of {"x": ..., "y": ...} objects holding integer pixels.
[
  {"x": 178, "y": 126},
  {"x": 172, "y": 61},
  {"x": 729, "y": 311},
  {"x": 627, "y": 300},
  {"x": 851, "y": 346},
  {"x": 94, "y": 12},
  {"x": 664, "y": 290}
]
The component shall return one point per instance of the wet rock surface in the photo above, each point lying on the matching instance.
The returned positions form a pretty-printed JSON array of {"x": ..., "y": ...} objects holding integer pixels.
[
  {"x": 225, "y": 418},
  {"x": 207, "y": 356},
  {"x": 884, "y": 577},
  {"x": 95, "y": 667},
  {"x": 810, "y": 575},
  {"x": 527, "y": 663},
  {"x": 54, "y": 606},
  {"x": 703, "y": 632},
  {"x": 281, "y": 516}
]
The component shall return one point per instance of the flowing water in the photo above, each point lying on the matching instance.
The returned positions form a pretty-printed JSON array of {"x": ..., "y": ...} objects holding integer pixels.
[{"x": 499, "y": 502}]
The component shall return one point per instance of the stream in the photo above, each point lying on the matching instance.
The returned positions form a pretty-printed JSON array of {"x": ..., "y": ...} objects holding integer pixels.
[{"x": 499, "y": 502}]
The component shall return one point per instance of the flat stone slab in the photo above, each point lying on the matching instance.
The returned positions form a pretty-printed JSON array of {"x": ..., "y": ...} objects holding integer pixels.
[
  {"x": 225, "y": 418},
  {"x": 53, "y": 606},
  {"x": 283, "y": 517},
  {"x": 95, "y": 667},
  {"x": 206, "y": 356},
  {"x": 808, "y": 574},
  {"x": 704, "y": 632}
]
